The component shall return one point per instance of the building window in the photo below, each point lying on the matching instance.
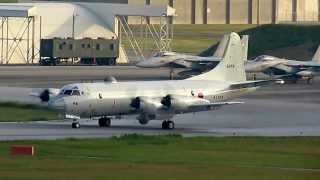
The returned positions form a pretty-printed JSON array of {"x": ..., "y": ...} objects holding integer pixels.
[
  {"x": 70, "y": 46},
  {"x": 60, "y": 46},
  {"x": 88, "y": 46},
  {"x": 111, "y": 47},
  {"x": 98, "y": 46},
  {"x": 83, "y": 45}
]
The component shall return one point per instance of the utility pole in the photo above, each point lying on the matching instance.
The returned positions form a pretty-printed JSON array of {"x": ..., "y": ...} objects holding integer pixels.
[
  {"x": 258, "y": 12},
  {"x": 73, "y": 24}
]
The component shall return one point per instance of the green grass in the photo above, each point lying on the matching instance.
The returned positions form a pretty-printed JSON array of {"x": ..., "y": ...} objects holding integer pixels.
[
  {"x": 166, "y": 157},
  {"x": 8, "y": 1},
  {"x": 269, "y": 37},
  {"x": 19, "y": 112}
]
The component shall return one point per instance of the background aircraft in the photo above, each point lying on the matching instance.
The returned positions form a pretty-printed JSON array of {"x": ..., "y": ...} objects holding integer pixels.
[
  {"x": 194, "y": 64},
  {"x": 158, "y": 100},
  {"x": 291, "y": 70}
]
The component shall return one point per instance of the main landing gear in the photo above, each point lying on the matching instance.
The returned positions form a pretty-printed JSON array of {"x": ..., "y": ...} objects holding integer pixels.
[
  {"x": 310, "y": 81},
  {"x": 75, "y": 124},
  {"x": 168, "y": 125},
  {"x": 104, "y": 122}
]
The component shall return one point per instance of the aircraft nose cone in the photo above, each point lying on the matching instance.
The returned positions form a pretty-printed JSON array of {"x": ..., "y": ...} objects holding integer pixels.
[{"x": 58, "y": 104}]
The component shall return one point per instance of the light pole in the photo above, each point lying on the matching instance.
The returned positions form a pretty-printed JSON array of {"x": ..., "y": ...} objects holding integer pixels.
[
  {"x": 73, "y": 29},
  {"x": 73, "y": 24}
]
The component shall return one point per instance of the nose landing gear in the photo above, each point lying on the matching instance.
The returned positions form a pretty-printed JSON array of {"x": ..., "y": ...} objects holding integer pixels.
[
  {"x": 168, "y": 125},
  {"x": 75, "y": 125},
  {"x": 104, "y": 122}
]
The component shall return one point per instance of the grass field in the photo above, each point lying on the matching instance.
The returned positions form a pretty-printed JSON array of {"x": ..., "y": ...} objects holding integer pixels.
[
  {"x": 166, "y": 157},
  {"x": 19, "y": 112},
  {"x": 197, "y": 38}
]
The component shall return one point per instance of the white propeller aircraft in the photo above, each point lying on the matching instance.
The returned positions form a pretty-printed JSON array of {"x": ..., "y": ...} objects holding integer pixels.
[{"x": 157, "y": 100}]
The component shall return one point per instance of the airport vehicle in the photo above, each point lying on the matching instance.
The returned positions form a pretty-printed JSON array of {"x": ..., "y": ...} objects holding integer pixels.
[
  {"x": 98, "y": 51},
  {"x": 157, "y": 100},
  {"x": 290, "y": 70},
  {"x": 194, "y": 64}
]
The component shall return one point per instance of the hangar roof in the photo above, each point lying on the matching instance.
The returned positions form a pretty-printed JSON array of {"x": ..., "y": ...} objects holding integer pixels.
[
  {"x": 140, "y": 10},
  {"x": 17, "y": 11}
]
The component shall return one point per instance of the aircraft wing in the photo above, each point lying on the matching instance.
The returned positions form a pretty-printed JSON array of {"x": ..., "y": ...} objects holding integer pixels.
[
  {"x": 302, "y": 64},
  {"x": 210, "y": 106},
  {"x": 202, "y": 59},
  {"x": 175, "y": 104}
]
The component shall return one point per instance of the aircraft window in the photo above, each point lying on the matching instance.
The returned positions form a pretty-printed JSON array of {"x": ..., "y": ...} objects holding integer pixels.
[
  {"x": 111, "y": 47},
  {"x": 67, "y": 92},
  {"x": 98, "y": 46}
]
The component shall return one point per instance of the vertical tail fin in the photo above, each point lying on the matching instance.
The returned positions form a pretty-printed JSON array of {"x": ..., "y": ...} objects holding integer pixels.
[
  {"x": 231, "y": 68},
  {"x": 245, "y": 45},
  {"x": 316, "y": 56},
  {"x": 221, "y": 47}
]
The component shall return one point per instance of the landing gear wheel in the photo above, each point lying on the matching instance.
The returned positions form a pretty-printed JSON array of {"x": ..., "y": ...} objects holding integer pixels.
[
  {"x": 167, "y": 125},
  {"x": 75, "y": 125},
  {"x": 170, "y": 125},
  {"x": 294, "y": 81},
  {"x": 104, "y": 122},
  {"x": 309, "y": 80}
]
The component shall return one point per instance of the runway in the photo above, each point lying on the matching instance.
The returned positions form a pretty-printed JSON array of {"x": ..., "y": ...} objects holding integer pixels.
[
  {"x": 287, "y": 110},
  {"x": 57, "y": 76}
]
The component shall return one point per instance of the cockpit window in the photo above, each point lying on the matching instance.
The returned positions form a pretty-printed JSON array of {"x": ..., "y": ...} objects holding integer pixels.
[
  {"x": 67, "y": 92},
  {"x": 75, "y": 93},
  {"x": 158, "y": 54}
]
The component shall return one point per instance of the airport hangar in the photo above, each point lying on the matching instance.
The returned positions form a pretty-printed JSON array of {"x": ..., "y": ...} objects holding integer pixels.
[
  {"x": 234, "y": 11},
  {"x": 23, "y": 25}
]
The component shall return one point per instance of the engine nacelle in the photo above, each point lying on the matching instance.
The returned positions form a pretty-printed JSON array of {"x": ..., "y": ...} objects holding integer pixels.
[
  {"x": 181, "y": 103},
  {"x": 145, "y": 105},
  {"x": 305, "y": 73}
]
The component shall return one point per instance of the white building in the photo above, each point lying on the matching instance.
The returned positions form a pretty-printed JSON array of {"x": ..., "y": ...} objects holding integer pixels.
[{"x": 55, "y": 19}]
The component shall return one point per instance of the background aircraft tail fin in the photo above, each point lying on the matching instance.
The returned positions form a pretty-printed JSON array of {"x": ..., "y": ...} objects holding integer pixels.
[
  {"x": 231, "y": 68},
  {"x": 245, "y": 45},
  {"x": 221, "y": 47},
  {"x": 316, "y": 56}
]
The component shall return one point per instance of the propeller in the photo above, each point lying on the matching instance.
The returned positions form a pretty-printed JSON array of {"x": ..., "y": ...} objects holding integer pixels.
[
  {"x": 136, "y": 103},
  {"x": 167, "y": 101},
  {"x": 45, "y": 95}
]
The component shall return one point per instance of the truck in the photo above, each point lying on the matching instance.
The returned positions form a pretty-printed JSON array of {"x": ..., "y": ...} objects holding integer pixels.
[{"x": 88, "y": 51}]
